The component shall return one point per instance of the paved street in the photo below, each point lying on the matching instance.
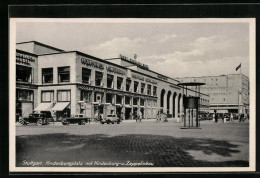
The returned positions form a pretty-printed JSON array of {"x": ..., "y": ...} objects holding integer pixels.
[{"x": 135, "y": 144}]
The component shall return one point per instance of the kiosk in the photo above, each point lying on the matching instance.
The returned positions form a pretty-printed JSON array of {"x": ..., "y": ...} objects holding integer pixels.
[{"x": 191, "y": 106}]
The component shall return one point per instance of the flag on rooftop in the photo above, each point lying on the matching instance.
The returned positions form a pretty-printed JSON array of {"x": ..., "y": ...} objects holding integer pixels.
[{"x": 238, "y": 67}]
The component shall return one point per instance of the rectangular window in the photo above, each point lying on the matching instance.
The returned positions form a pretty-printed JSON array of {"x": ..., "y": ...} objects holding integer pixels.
[
  {"x": 86, "y": 75},
  {"x": 154, "y": 91},
  {"x": 109, "y": 98},
  {"x": 47, "y": 75},
  {"x": 63, "y": 95},
  {"x": 141, "y": 102},
  {"x": 85, "y": 96},
  {"x": 47, "y": 96},
  {"x": 136, "y": 84},
  {"x": 64, "y": 74},
  {"x": 128, "y": 100},
  {"x": 24, "y": 95},
  {"x": 23, "y": 74},
  {"x": 135, "y": 101},
  {"x": 98, "y": 78},
  {"x": 128, "y": 84},
  {"x": 119, "y": 83},
  {"x": 110, "y": 81},
  {"x": 118, "y": 99},
  {"x": 142, "y": 87},
  {"x": 149, "y": 88}
]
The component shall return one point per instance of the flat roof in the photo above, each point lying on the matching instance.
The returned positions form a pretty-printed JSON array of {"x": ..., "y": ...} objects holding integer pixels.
[
  {"x": 28, "y": 53},
  {"x": 41, "y": 44},
  {"x": 211, "y": 76}
]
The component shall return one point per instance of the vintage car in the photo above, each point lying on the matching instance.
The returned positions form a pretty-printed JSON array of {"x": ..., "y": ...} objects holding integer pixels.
[
  {"x": 76, "y": 119},
  {"x": 111, "y": 118},
  {"x": 38, "y": 118}
]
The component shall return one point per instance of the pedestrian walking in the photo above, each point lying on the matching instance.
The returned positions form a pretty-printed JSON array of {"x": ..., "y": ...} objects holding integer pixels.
[
  {"x": 158, "y": 117},
  {"x": 242, "y": 117},
  {"x": 231, "y": 118},
  {"x": 136, "y": 117},
  {"x": 216, "y": 118},
  {"x": 140, "y": 116}
]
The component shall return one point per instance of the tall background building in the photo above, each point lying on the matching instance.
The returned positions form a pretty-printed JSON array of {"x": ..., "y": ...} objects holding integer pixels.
[{"x": 228, "y": 93}]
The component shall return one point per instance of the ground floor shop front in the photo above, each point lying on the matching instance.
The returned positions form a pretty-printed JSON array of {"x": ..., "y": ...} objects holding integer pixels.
[{"x": 66, "y": 100}]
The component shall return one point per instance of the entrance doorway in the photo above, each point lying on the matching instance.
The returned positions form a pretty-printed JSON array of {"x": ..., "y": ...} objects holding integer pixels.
[{"x": 128, "y": 113}]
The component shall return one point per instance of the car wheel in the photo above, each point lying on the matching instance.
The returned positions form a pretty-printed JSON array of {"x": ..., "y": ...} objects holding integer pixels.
[
  {"x": 39, "y": 122},
  {"x": 118, "y": 122},
  {"x": 113, "y": 122},
  {"x": 83, "y": 122},
  {"x": 21, "y": 122},
  {"x": 102, "y": 122}
]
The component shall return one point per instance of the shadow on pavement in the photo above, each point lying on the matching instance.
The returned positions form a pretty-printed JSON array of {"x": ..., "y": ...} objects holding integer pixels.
[{"x": 162, "y": 151}]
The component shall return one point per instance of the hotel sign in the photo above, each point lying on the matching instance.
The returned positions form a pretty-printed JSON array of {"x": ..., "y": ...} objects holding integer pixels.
[
  {"x": 115, "y": 70},
  {"x": 24, "y": 59},
  {"x": 139, "y": 64},
  {"x": 91, "y": 63},
  {"x": 162, "y": 77}
]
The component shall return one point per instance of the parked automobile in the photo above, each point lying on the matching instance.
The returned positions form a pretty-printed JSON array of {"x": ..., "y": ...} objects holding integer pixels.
[
  {"x": 111, "y": 118},
  {"x": 210, "y": 116},
  {"x": 38, "y": 118},
  {"x": 76, "y": 119}
]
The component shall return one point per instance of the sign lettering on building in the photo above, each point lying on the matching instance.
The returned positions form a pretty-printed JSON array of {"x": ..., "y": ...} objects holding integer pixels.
[
  {"x": 162, "y": 77},
  {"x": 24, "y": 59},
  {"x": 91, "y": 63},
  {"x": 139, "y": 64},
  {"x": 137, "y": 77},
  {"x": 151, "y": 81},
  {"x": 115, "y": 70}
]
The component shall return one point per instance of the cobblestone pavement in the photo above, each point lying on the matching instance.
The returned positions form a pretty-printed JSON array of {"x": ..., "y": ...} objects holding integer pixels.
[{"x": 146, "y": 144}]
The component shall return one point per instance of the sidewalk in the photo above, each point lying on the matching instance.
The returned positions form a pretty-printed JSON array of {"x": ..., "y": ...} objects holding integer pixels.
[{"x": 93, "y": 122}]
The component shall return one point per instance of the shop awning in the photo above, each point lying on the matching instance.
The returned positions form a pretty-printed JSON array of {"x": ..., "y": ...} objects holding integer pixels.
[
  {"x": 43, "y": 107},
  {"x": 60, "y": 106}
]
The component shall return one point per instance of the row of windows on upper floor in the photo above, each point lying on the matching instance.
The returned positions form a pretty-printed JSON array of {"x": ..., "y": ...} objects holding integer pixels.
[{"x": 24, "y": 74}]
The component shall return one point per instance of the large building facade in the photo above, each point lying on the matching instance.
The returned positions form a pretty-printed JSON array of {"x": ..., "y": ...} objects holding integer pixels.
[
  {"x": 228, "y": 93},
  {"x": 65, "y": 83}
]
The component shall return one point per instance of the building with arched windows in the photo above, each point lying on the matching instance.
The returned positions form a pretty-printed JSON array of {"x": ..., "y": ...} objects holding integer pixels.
[{"x": 62, "y": 82}]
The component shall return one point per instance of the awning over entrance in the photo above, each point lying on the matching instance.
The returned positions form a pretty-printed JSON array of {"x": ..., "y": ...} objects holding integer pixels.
[
  {"x": 43, "y": 107},
  {"x": 60, "y": 106}
]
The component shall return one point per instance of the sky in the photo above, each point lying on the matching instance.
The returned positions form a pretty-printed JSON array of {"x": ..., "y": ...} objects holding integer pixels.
[{"x": 172, "y": 49}]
